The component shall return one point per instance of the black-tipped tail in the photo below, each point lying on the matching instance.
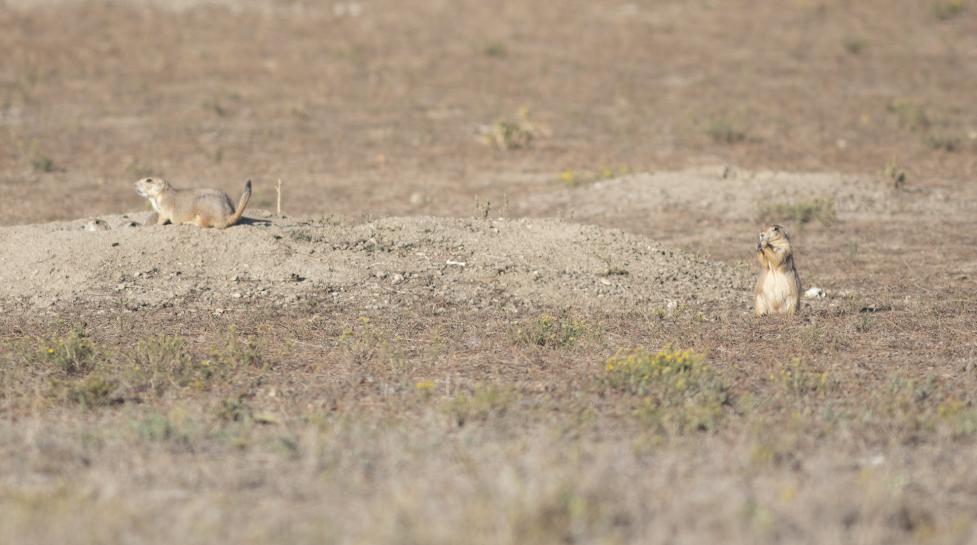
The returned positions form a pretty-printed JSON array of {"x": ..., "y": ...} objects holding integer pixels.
[{"x": 242, "y": 203}]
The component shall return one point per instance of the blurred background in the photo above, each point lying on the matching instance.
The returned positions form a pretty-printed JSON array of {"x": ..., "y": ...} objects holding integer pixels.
[{"x": 418, "y": 107}]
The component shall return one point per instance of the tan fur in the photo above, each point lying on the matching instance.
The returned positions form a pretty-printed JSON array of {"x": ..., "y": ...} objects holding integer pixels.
[
  {"x": 200, "y": 207},
  {"x": 778, "y": 290}
]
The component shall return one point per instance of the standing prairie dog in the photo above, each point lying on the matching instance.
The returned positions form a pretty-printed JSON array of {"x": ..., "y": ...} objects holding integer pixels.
[
  {"x": 778, "y": 290},
  {"x": 200, "y": 207}
]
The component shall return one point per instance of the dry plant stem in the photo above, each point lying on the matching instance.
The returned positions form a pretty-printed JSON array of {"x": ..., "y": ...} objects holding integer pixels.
[{"x": 278, "y": 200}]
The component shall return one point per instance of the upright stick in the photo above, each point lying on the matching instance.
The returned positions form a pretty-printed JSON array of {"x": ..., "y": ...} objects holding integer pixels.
[{"x": 278, "y": 188}]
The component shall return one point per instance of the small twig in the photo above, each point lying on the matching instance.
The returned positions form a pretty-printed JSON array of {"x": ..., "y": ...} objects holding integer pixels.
[{"x": 278, "y": 207}]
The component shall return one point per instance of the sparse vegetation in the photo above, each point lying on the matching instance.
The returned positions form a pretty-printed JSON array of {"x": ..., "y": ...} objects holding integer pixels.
[
  {"x": 496, "y": 49},
  {"x": 485, "y": 402},
  {"x": 800, "y": 382},
  {"x": 162, "y": 362},
  {"x": 895, "y": 176},
  {"x": 512, "y": 134},
  {"x": 944, "y": 10},
  {"x": 910, "y": 115},
  {"x": 551, "y": 331},
  {"x": 233, "y": 410},
  {"x": 74, "y": 354},
  {"x": 90, "y": 392},
  {"x": 215, "y": 106},
  {"x": 679, "y": 391},
  {"x": 43, "y": 163},
  {"x": 363, "y": 344},
  {"x": 237, "y": 352},
  {"x": 724, "y": 130},
  {"x": 579, "y": 178},
  {"x": 821, "y": 210},
  {"x": 943, "y": 142},
  {"x": 854, "y": 45}
]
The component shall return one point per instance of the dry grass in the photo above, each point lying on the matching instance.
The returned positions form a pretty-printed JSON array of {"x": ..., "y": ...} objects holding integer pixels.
[{"x": 428, "y": 438}]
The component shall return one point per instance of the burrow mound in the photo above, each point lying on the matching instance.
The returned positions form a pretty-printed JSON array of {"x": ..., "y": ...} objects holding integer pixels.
[
  {"x": 115, "y": 262},
  {"x": 729, "y": 194}
]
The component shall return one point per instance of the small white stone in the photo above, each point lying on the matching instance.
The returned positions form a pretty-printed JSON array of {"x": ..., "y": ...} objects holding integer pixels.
[{"x": 815, "y": 292}]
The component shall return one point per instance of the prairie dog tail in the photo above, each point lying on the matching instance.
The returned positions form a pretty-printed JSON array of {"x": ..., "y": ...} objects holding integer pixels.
[{"x": 241, "y": 204}]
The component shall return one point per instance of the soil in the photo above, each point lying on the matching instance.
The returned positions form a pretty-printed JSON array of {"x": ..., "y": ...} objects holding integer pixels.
[{"x": 110, "y": 262}]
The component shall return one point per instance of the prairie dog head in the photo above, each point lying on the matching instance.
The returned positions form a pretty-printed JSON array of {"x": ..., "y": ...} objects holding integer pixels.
[
  {"x": 773, "y": 236},
  {"x": 150, "y": 188}
]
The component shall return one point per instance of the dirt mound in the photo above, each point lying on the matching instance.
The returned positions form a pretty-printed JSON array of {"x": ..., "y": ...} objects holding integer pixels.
[
  {"x": 423, "y": 263},
  {"x": 729, "y": 194}
]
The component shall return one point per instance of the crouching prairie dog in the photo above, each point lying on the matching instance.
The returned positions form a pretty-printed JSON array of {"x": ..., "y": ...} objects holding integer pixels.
[
  {"x": 778, "y": 290},
  {"x": 200, "y": 207}
]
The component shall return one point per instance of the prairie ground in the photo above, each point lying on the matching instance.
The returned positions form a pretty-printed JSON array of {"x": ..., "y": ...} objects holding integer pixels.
[{"x": 508, "y": 296}]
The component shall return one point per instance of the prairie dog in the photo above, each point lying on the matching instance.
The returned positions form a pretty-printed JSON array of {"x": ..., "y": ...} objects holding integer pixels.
[
  {"x": 778, "y": 290},
  {"x": 200, "y": 207}
]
